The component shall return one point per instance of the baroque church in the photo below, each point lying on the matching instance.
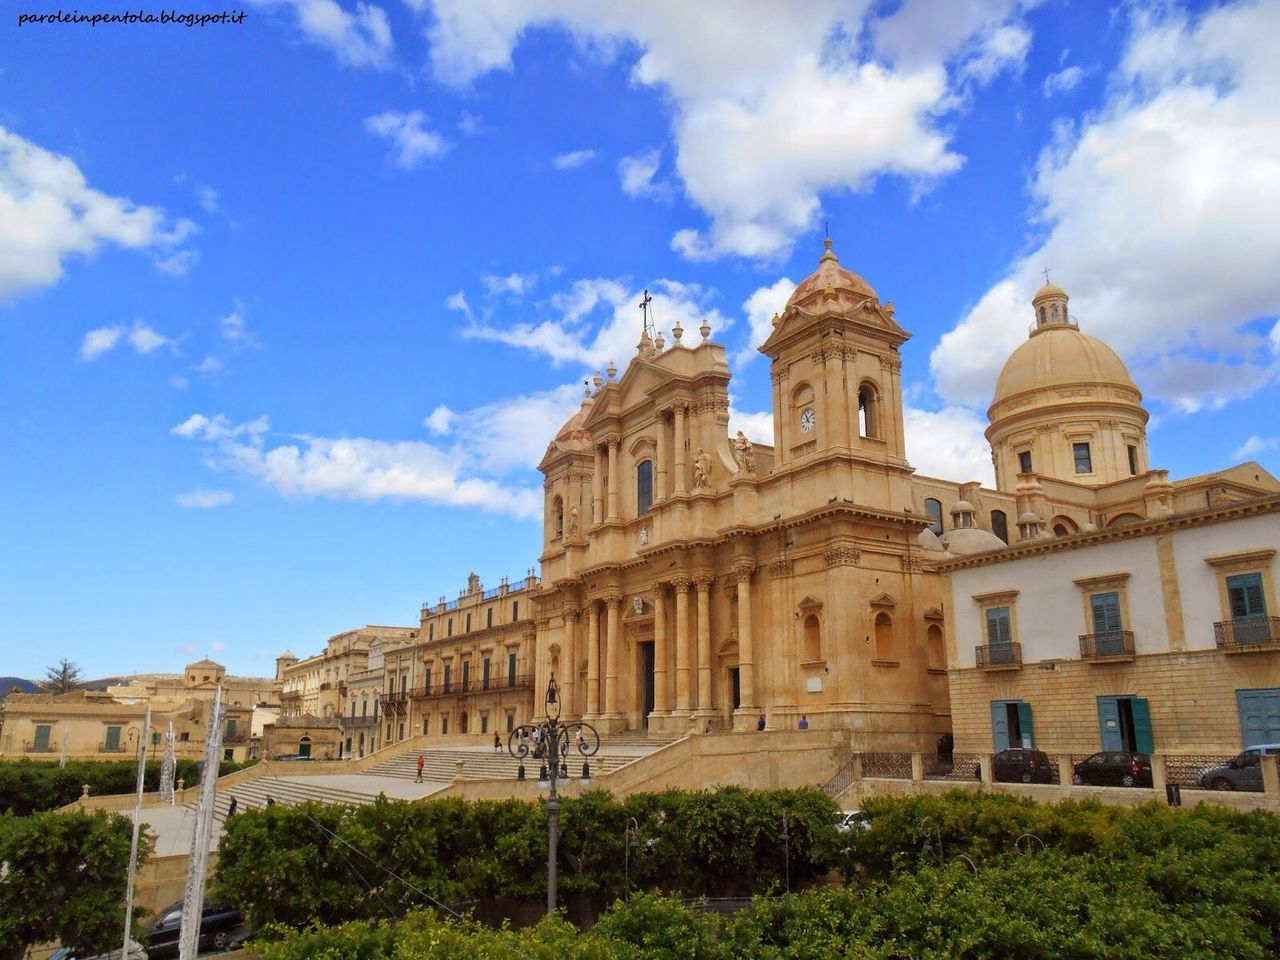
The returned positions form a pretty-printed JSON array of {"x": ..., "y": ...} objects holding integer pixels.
[{"x": 694, "y": 580}]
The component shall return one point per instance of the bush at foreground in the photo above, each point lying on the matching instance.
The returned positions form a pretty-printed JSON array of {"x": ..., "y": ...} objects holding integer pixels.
[
  {"x": 1047, "y": 905},
  {"x": 29, "y": 786}
]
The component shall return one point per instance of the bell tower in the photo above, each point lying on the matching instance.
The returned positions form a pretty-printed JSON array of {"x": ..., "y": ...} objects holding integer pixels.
[{"x": 836, "y": 371}]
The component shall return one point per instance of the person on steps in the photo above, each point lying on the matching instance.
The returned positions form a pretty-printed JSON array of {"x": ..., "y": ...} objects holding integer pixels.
[{"x": 421, "y": 762}]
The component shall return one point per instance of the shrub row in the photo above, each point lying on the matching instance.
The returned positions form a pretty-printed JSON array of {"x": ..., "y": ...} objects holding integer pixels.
[
  {"x": 295, "y": 865},
  {"x": 28, "y": 786}
]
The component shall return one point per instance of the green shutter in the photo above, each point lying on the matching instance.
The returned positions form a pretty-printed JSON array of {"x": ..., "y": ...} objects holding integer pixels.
[
  {"x": 1106, "y": 612},
  {"x": 1109, "y": 723},
  {"x": 113, "y": 739},
  {"x": 998, "y": 631},
  {"x": 1244, "y": 592},
  {"x": 999, "y": 726},
  {"x": 1142, "y": 739},
  {"x": 1024, "y": 725}
]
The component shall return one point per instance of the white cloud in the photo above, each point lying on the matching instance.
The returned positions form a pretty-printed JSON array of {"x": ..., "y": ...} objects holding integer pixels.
[
  {"x": 1064, "y": 81},
  {"x": 760, "y": 308},
  {"x": 573, "y": 159},
  {"x": 412, "y": 143},
  {"x": 636, "y": 176},
  {"x": 217, "y": 646},
  {"x": 804, "y": 98},
  {"x": 948, "y": 443},
  {"x": 458, "y": 301},
  {"x": 514, "y": 285},
  {"x": 178, "y": 263},
  {"x": 1159, "y": 217},
  {"x": 757, "y": 426},
  {"x": 48, "y": 212},
  {"x": 235, "y": 330},
  {"x": 99, "y": 341},
  {"x": 597, "y": 321},
  {"x": 203, "y": 499},
  {"x": 179, "y": 382},
  {"x": 144, "y": 340},
  {"x": 356, "y": 468},
  {"x": 208, "y": 198},
  {"x": 360, "y": 37},
  {"x": 1254, "y": 446},
  {"x": 440, "y": 420}
]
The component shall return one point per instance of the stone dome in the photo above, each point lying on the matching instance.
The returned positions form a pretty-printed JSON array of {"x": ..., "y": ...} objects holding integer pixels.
[
  {"x": 1059, "y": 355},
  {"x": 966, "y": 541},
  {"x": 846, "y": 284},
  {"x": 574, "y": 435}
]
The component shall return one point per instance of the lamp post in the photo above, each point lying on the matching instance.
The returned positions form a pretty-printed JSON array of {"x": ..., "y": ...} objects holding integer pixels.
[
  {"x": 631, "y": 830},
  {"x": 553, "y": 741}
]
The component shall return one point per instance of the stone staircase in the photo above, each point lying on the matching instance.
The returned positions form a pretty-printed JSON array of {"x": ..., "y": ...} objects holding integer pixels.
[
  {"x": 254, "y": 793},
  {"x": 487, "y": 765}
]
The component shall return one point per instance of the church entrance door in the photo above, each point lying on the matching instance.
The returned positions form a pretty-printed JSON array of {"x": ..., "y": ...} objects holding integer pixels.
[
  {"x": 646, "y": 681},
  {"x": 735, "y": 685}
]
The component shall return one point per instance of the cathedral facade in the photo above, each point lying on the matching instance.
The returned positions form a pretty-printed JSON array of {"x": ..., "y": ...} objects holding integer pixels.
[{"x": 693, "y": 580}]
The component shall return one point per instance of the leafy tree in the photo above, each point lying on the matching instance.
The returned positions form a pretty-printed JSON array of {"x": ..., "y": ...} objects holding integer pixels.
[
  {"x": 28, "y": 786},
  {"x": 63, "y": 879},
  {"x": 63, "y": 677}
]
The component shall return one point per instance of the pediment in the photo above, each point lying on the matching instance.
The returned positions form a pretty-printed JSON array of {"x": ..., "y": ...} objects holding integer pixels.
[
  {"x": 934, "y": 613},
  {"x": 883, "y": 600}
]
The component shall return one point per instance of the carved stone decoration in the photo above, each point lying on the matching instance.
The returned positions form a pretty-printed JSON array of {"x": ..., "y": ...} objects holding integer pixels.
[
  {"x": 781, "y": 568},
  {"x": 681, "y": 584},
  {"x": 702, "y": 469},
  {"x": 643, "y": 536},
  {"x": 842, "y": 556},
  {"x": 742, "y": 572},
  {"x": 704, "y": 583},
  {"x": 912, "y": 565},
  {"x": 744, "y": 453},
  {"x": 572, "y": 528}
]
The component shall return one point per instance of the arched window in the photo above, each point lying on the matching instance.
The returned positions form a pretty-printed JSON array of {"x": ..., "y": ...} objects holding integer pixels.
[
  {"x": 1055, "y": 311},
  {"x": 557, "y": 509},
  {"x": 812, "y": 638},
  {"x": 644, "y": 487},
  {"x": 1000, "y": 525},
  {"x": 935, "y": 655},
  {"x": 462, "y": 722},
  {"x": 1060, "y": 531},
  {"x": 933, "y": 510},
  {"x": 868, "y": 411},
  {"x": 884, "y": 637},
  {"x": 1042, "y": 315}
]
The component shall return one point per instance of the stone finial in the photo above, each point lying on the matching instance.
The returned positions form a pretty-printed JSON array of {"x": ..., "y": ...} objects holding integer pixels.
[
  {"x": 611, "y": 370},
  {"x": 660, "y": 342},
  {"x": 705, "y": 330},
  {"x": 677, "y": 332},
  {"x": 597, "y": 380},
  {"x": 645, "y": 347},
  {"x": 776, "y": 319},
  {"x": 84, "y": 792}
]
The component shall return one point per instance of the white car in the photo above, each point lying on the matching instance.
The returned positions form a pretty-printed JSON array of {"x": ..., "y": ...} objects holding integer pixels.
[{"x": 853, "y": 820}]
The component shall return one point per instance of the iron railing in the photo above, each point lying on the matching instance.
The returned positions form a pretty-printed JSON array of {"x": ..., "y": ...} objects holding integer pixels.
[
  {"x": 1103, "y": 646},
  {"x": 842, "y": 780},
  {"x": 36, "y": 748},
  {"x": 893, "y": 766},
  {"x": 1245, "y": 634},
  {"x": 998, "y": 655},
  {"x": 494, "y": 685}
]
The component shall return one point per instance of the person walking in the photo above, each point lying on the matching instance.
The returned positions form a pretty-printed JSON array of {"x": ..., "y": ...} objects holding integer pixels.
[
  {"x": 421, "y": 762},
  {"x": 497, "y": 743},
  {"x": 804, "y": 722},
  {"x": 270, "y": 802},
  {"x": 231, "y": 810},
  {"x": 760, "y": 723}
]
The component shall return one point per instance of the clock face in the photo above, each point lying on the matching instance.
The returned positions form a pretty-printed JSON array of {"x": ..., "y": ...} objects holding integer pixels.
[{"x": 808, "y": 419}]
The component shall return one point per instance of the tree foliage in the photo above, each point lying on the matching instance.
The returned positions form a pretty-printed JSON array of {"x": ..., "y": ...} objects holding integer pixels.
[
  {"x": 62, "y": 677},
  {"x": 63, "y": 879},
  {"x": 28, "y": 786}
]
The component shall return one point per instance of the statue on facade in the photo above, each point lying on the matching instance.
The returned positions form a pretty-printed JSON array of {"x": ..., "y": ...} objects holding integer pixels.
[
  {"x": 573, "y": 521},
  {"x": 744, "y": 453},
  {"x": 701, "y": 469}
]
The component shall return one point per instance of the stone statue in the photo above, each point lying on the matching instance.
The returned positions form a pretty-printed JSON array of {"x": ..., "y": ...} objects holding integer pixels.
[
  {"x": 701, "y": 469},
  {"x": 743, "y": 453},
  {"x": 573, "y": 521}
]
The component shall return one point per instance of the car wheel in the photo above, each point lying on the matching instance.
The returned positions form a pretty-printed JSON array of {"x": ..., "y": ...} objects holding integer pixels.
[
  {"x": 221, "y": 940},
  {"x": 1127, "y": 780},
  {"x": 1078, "y": 780},
  {"x": 1222, "y": 783},
  {"x": 1026, "y": 776}
]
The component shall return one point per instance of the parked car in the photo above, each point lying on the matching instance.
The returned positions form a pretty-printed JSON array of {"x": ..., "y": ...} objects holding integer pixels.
[
  {"x": 136, "y": 952},
  {"x": 853, "y": 820},
  {"x": 1240, "y": 773},
  {"x": 1114, "y": 768},
  {"x": 221, "y": 928},
  {"x": 1019, "y": 765}
]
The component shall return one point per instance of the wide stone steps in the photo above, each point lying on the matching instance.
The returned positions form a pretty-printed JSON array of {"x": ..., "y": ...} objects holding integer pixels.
[
  {"x": 477, "y": 765},
  {"x": 254, "y": 793}
]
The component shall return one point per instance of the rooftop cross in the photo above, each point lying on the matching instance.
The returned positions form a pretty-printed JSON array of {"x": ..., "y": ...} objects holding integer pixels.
[
  {"x": 644, "y": 310},
  {"x": 1046, "y": 276}
]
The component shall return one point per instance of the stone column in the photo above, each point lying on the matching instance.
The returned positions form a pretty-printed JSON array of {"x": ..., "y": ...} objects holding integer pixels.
[
  {"x": 613, "y": 654},
  {"x": 568, "y": 678},
  {"x": 704, "y": 643},
  {"x": 660, "y": 703},
  {"x": 593, "y": 659},
  {"x": 597, "y": 502},
  {"x": 677, "y": 415},
  {"x": 614, "y": 446},
  {"x": 660, "y": 489},
  {"x": 746, "y": 652},
  {"x": 681, "y": 587}
]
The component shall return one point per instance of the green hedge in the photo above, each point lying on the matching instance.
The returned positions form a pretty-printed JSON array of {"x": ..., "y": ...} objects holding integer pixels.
[
  {"x": 293, "y": 865},
  {"x": 29, "y": 786}
]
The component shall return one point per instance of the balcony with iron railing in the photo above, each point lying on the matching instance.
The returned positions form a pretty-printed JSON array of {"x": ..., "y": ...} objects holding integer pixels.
[
  {"x": 110, "y": 748},
  {"x": 998, "y": 656},
  {"x": 494, "y": 685},
  {"x": 1247, "y": 634},
  {"x": 30, "y": 747},
  {"x": 1109, "y": 645}
]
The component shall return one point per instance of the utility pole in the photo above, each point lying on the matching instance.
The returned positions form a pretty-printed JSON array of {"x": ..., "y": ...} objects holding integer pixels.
[
  {"x": 133, "y": 840},
  {"x": 198, "y": 861}
]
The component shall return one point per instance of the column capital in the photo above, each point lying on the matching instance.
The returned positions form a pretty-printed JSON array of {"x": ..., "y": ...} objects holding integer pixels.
[
  {"x": 571, "y": 611},
  {"x": 612, "y": 599},
  {"x": 613, "y": 440},
  {"x": 704, "y": 583},
  {"x": 742, "y": 572},
  {"x": 681, "y": 584}
]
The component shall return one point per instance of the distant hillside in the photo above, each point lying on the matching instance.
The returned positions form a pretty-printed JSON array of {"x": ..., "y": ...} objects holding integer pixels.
[{"x": 8, "y": 683}]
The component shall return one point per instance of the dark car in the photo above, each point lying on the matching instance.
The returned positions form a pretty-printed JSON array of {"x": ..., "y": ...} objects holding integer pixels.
[
  {"x": 1114, "y": 768},
  {"x": 1241, "y": 773},
  {"x": 1019, "y": 765},
  {"x": 220, "y": 929}
]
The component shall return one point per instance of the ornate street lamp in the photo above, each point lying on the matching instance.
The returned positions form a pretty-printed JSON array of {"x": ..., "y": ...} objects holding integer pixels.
[{"x": 552, "y": 742}]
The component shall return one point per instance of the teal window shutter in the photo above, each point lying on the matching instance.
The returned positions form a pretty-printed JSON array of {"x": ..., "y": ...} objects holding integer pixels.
[
  {"x": 998, "y": 630},
  {"x": 1109, "y": 723},
  {"x": 1142, "y": 739},
  {"x": 1024, "y": 725},
  {"x": 1244, "y": 593},
  {"x": 999, "y": 725},
  {"x": 1106, "y": 612}
]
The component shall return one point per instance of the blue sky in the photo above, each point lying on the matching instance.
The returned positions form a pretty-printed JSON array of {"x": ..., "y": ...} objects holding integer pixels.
[{"x": 290, "y": 308}]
